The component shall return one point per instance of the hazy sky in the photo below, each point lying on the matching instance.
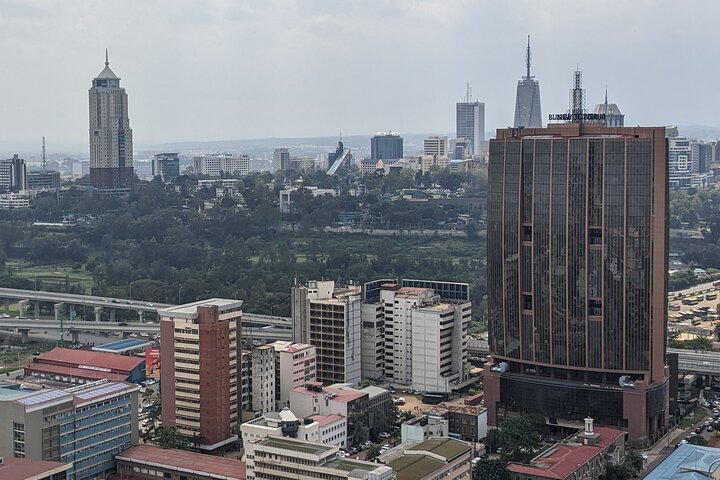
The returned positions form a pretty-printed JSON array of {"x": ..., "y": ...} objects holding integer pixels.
[{"x": 214, "y": 70}]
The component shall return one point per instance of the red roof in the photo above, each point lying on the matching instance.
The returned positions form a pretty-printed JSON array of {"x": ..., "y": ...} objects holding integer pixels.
[
  {"x": 23, "y": 468},
  {"x": 187, "y": 461},
  {"x": 74, "y": 372},
  {"x": 119, "y": 363},
  {"x": 341, "y": 394},
  {"x": 323, "y": 420},
  {"x": 564, "y": 458}
]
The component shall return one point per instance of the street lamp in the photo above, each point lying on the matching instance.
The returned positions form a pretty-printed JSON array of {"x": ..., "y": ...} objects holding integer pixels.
[
  {"x": 131, "y": 284},
  {"x": 179, "y": 289}
]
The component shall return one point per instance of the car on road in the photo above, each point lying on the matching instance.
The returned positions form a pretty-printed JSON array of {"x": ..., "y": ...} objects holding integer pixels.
[
  {"x": 710, "y": 428},
  {"x": 114, "y": 300},
  {"x": 150, "y": 304},
  {"x": 122, "y": 324},
  {"x": 144, "y": 334},
  {"x": 4, "y": 315},
  {"x": 134, "y": 335},
  {"x": 384, "y": 435},
  {"x": 353, "y": 450}
]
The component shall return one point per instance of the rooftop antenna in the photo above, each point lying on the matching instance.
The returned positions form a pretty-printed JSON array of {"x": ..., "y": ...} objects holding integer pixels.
[
  {"x": 577, "y": 97},
  {"x": 107, "y": 62},
  {"x": 468, "y": 93},
  {"x": 43, "y": 158},
  {"x": 528, "y": 58},
  {"x": 606, "y": 98}
]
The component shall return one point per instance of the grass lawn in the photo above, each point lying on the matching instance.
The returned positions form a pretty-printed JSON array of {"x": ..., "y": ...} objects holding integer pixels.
[
  {"x": 51, "y": 275},
  {"x": 11, "y": 358}
]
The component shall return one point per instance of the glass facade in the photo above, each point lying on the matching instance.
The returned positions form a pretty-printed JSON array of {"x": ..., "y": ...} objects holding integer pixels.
[{"x": 569, "y": 229}]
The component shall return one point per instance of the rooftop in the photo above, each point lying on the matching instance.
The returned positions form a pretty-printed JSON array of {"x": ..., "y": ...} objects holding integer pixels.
[
  {"x": 348, "y": 465},
  {"x": 287, "y": 346},
  {"x": 448, "y": 448},
  {"x": 84, "y": 358},
  {"x": 323, "y": 420},
  {"x": 120, "y": 346},
  {"x": 688, "y": 462},
  {"x": 374, "y": 391},
  {"x": 296, "y": 445},
  {"x": 189, "y": 310},
  {"x": 413, "y": 467},
  {"x": 185, "y": 461},
  {"x": 23, "y": 468},
  {"x": 75, "y": 372},
  {"x": 563, "y": 459},
  {"x": 11, "y": 391},
  {"x": 341, "y": 394}
]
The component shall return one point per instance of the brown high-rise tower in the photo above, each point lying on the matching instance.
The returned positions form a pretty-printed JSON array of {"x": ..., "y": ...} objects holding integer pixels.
[{"x": 577, "y": 262}]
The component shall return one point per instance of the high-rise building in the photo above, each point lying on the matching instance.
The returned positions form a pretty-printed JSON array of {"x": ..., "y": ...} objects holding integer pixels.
[
  {"x": 386, "y": 146},
  {"x": 436, "y": 145},
  {"x": 85, "y": 425},
  {"x": 217, "y": 165},
  {"x": 613, "y": 115},
  {"x": 527, "y": 100},
  {"x": 329, "y": 319},
  {"x": 577, "y": 221},
  {"x": 166, "y": 166},
  {"x": 262, "y": 380},
  {"x": 13, "y": 174},
  {"x": 470, "y": 123},
  {"x": 701, "y": 155},
  {"x": 687, "y": 162},
  {"x": 281, "y": 159},
  {"x": 111, "y": 146},
  {"x": 200, "y": 372}
]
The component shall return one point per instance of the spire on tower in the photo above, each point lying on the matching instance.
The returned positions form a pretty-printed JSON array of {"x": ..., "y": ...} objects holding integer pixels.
[
  {"x": 43, "y": 159},
  {"x": 107, "y": 62},
  {"x": 606, "y": 98},
  {"x": 528, "y": 58}
]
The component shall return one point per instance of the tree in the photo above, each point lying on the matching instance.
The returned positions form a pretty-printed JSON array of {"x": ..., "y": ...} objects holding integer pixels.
[
  {"x": 616, "y": 471},
  {"x": 170, "y": 437},
  {"x": 634, "y": 461},
  {"x": 519, "y": 438},
  {"x": 490, "y": 470},
  {"x": 697, "y": 440},
  {"x": 366, "y": 382},
  {"x": 493, "y": 440},
  {"x": 373, "y": 452}
]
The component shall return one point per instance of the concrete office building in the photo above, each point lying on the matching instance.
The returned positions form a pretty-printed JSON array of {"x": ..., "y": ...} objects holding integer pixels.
[
  {"x": 436, "y": 458},
  {"x": 373, "y": 341},
  {"x": 295, "y": 365},
  {"x": 386, "y": 146},
  {"x": 425, "y": 338},
  {"x": 279, "y": 424},
  {"x": 111, "y": 145},
  {"x": 217, "y": 165},
  {"x": 148, "y": 462},
  {"x": 577, "y": 218},
  {"x": 436, "y": 145},
  {"x": 199, "y": 363},
  {"x": 427, "y": 426},
  {"x": 275, "y": 458},
  {"x": 86, "y": 425},
  {"x": 281, "y": 159},
  {"x": 528, "y": 113},
  {"x": 166, "y": 166},
  {"x": 11, "y": 201},
  {"x": 380, "y": 409},
  {"x": 43, "y": 180},
  {"x": 470, "y": 124},
  {"x": 13, "y": 174},
  {"x": 25, "y": 469},
  {"x": 329, "y": 318},
  {"x": 303, "y": 163},
  {"x": 262, "y": 384}
]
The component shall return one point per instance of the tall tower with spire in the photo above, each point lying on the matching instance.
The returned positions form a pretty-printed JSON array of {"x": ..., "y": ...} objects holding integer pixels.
[
  {"x": 111, "y": 149},
  {"x": 527, "y": 101}
]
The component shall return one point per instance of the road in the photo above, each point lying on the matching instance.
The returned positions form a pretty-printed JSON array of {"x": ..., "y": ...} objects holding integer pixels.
[{"x": 73, "y": 299}]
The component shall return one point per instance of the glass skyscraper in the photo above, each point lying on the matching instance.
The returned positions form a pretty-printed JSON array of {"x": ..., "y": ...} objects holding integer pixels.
[{"x": 577, "y": 262}]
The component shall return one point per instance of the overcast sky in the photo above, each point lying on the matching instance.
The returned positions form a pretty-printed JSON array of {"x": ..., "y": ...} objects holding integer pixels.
[{"x": 233, "y": 69}]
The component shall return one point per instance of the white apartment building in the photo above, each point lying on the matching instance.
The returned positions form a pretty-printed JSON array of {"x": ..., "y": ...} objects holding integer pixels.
[
  {"x": 425, "y": 338},
  {"x": 330, "y": 319},
  {"x": 10, "y": 201},
  {"x": 332, "y": 429},
  {"x": 295, "y": 365},
  {"x": 215, "y": 165},
  {"x": 436, "y": 145},
  {"x": 262, "y": 386}
]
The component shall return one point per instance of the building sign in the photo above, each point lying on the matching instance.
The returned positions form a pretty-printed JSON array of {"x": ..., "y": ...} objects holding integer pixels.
[
  {"x": 97, "y": 369},
  {"x": 152, "y": 363},
  {"x": 576, "y": 117}
]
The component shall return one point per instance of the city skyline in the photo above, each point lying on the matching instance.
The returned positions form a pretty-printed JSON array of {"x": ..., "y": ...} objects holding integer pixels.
[{"x": 290, "y": 83}]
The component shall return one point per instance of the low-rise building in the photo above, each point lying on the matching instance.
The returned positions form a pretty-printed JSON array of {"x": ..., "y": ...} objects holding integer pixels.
[
  {"x": 148, "y": 462},
  {"x": 314, "y": 399},
  {"x": 276, "y": 458},
  {"x": 25, "y": 469},
  {"x": 11, "y": 201},
  {"x": 288, "y": 192},
  {"x": 581, "y": 457},
  {"x": 332, "y": 429},
  {"x": 436, "y": 458},
  {"x": 279, "y": 424},
  {"x": 217, "y": 165},
  {"x": 424, "y": 427},
  {"x": 688, "y": 462},
  {"x": 85, "y": 425},
  {"x": 80, "y": 366},
  {"x": 467, "y": 421}
]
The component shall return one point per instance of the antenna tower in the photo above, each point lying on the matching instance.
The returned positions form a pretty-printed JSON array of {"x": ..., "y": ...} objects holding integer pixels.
[
  {"x": 43, "y": 158},
  {"x": 528, "y": 58},
  {"x": 577, "y": 97},
  {"x": 468, "y": 93}
]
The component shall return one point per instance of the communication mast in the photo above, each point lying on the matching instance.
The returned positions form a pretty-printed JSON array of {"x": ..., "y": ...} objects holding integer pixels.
[{"x": 43, "y": 159}]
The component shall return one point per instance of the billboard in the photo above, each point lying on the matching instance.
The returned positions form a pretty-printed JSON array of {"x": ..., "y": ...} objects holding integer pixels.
[{"x": 152, "y": 363}]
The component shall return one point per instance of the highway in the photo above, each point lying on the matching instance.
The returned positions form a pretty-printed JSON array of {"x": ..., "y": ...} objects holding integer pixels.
[
  {"x": 267, "y": 332},
  {"x": 703, "y": 363}
]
